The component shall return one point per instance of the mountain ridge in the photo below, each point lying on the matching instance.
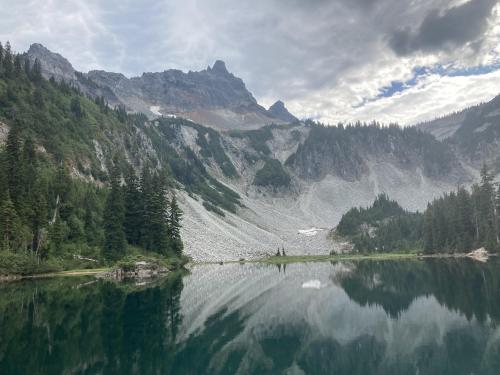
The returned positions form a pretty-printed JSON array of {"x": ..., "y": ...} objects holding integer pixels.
[{"x": 213, "y": 96}]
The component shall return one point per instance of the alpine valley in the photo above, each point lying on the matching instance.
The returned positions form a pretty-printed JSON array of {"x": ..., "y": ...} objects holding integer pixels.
[{"x": 251, "y": 179}]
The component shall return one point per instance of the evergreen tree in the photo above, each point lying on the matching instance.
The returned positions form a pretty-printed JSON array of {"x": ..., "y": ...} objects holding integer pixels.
[
  {"x": 7, "y": 60},
  {"x": 36, "y": 73},
  {"x": 174, "y": 227},
  {"x": 18, "y": 66},
  {"x": 76, "y": 107},
  {"x": 114, "y": 215},
  {"x": 133, "y": 208},
  {"x": 38, "y": 98},
  {"x": 428, "y": 232},
  {"x": 13, "y": 164},
  {"x": 155, "y": 229},
  {"x": 38, "y": 215},
  {"x": 56, "y": 236},
  {"x": 27, "y": 68},
  {"x": 9, "y": 225}
]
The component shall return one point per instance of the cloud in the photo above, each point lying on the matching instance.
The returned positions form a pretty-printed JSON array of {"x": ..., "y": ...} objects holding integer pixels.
[
  {"x": 445, "y": 29},
  {"x": 327, "y": 59}
]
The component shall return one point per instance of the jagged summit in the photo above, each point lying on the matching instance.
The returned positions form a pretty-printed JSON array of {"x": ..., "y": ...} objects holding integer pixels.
[
  {"x": 53, "y": 64},
  {"x": 279, "y": 111},
  {"x": 212, "y": 97},
  {"x": 219, "y": 67}
]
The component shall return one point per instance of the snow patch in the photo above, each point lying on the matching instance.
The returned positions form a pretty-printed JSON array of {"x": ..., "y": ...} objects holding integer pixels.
[
  {"x": 312, "y": 284},
  {"x": 310, "y": 232},
  {"x": 155, "y": 109}
]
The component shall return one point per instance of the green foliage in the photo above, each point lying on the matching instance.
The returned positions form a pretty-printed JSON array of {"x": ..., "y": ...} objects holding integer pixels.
[
  {"x": 272, "y": 174},
  {"x": 382, "y": 208},
  {"x": 456, "y": 222},
  {"x": 113, "y": 220},
  {"x": 45, "y": 213},
  {"x": 26, "y": 264},
  {"x": 383, "y": 227},
  {"x": 461, "y": 221}
]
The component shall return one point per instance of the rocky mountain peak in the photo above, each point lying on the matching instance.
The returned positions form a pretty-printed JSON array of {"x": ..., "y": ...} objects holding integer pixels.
[
  {"x": 279, "y": 111},
  {"x": 219, "y": 67},
  {"x": 53, "y": 64}
]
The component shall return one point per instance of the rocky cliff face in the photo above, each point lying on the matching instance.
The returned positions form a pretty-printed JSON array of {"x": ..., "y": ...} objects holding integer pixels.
[
  {"x": 53, "y": 64},
  {"x": 213, "y": 96}
]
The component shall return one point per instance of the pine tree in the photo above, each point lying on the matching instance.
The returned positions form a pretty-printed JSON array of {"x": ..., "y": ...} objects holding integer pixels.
[
  {"x": 18, "y": 66},
  {"x": 36, "y": 73},
  {"x": 487, "y": 209},
  {"x": 155, "y": 219},
  {"x": 114, "y": 215},
  {"x": 56, "y": 236},
  {"x": 174, "y": 227},
  {"x": 7, "y": 60},
  {"x": 428, "y": 230},
  {"x": 9, "y": 225},
  {"x": 76, "y": 107},
  {"x": 133, "y": 208},
  {"x": 27, "y": 68},
  {"x": 13, "y": 164},
  {"x": 38, "y": 215},
  {"x": 38, "y": 98}
]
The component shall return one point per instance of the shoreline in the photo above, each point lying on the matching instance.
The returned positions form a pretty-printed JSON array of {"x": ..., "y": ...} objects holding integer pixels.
[{"x": 287, "y": 259}]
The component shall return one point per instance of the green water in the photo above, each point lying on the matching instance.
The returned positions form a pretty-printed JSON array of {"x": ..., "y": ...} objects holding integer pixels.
[{"x": 366, "y": 317}]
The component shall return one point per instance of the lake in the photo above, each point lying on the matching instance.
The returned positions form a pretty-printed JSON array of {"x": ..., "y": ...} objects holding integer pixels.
[{"x": 435, "y": 316}]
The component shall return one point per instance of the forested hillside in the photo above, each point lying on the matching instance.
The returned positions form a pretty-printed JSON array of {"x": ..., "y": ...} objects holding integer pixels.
[
  {"x": 56, "y": 207},
  {"x": 459, "y": 221},
  {"x": 346, "y": 150}
]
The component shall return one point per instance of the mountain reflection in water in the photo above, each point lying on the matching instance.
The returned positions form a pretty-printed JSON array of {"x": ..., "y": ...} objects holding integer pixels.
[{"x": 367, "y": 317}]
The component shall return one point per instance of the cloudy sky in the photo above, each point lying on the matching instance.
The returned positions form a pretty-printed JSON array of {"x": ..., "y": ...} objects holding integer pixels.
[{"x": 391, "y": 60}]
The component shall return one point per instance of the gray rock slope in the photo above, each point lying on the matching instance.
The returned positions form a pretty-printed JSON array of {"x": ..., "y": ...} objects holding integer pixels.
[{"x": 300, "y": 216}]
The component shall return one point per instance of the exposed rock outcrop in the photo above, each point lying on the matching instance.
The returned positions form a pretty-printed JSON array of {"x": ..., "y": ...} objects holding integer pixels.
[
  {"x": 279, "y": 111},
  {"x": 213, "y": 96}
]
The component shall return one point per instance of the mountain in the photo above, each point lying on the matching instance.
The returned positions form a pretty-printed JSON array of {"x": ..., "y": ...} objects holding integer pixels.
[
  {"x": 279, "y": 111},
  {"x": 244, "y": 191},
  {"x": 213, "y": 96},
  {"x": 53, "y": 64},
  {"x": 474, "y": 132}
]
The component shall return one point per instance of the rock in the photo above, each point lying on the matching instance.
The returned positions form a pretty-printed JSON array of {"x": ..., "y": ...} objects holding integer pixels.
[
  {"x": 141, "y": 270},
  {"x": 480, "y": 255},
  {"x": 279, "y": 111},
  {"x": 53, "y": 64}
]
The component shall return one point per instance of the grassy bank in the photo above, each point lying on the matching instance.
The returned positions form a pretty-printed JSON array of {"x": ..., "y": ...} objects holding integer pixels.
[
  {"x": 355, "y": 257},
  {"x": 25, "y": 265},
  {"x": 335, "y": 257}
]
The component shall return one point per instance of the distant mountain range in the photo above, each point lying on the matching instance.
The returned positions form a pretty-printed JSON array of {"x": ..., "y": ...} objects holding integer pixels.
[{"x": 213, "y": 96}]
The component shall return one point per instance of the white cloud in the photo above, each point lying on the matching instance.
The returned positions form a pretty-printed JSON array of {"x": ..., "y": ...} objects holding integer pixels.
[{"x": 322, "y": 57}]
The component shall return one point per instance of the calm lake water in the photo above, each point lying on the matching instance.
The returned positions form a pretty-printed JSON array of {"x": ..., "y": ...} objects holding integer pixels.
[{"x": 365, "y": 317}]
